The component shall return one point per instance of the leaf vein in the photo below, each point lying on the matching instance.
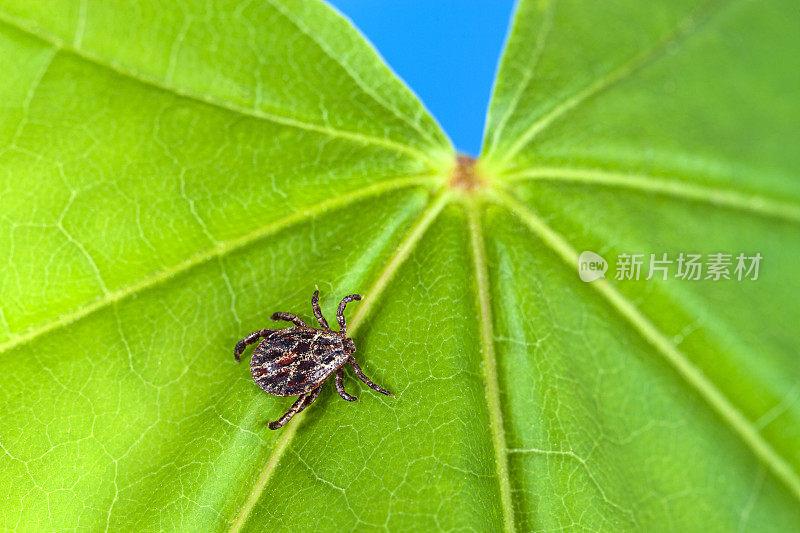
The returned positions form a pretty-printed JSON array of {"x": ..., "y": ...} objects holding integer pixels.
[
  {"x": 26, "y": 104},
  {"x": 541, "y": 42},
  {"x": 253, "y": 112},
  {"x": 756, "y": 204},
  {"x": 687, "y": 27},
  {"x": 693, "y": 376},
  {"x": 403, "y": 251},
  {"x": 491, "y": 380},
  {"x": 219, "y": 250},
  {"x": 305, "y": 30}
]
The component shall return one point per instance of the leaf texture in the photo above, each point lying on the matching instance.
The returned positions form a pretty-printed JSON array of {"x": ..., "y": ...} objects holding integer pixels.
[{"x": 172, "y": 174}]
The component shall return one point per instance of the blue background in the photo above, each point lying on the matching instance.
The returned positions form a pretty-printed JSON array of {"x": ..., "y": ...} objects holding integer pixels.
[{"x": 446, "y": 50}]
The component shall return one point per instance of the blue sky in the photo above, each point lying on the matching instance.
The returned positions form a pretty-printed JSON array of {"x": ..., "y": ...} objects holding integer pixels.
[{"x": 445, "y": 50}]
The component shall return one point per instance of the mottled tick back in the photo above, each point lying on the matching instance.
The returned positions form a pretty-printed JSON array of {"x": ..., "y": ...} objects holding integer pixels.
[{"x": 296, "y": 361}]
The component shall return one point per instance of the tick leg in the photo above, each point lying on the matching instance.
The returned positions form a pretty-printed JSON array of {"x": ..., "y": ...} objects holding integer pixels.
[
  {"x": 340, "y": 387},
  {"x": 293, "y": 410},
  {"x": 289, "y": 317},
  {"x": 365, "y": 379},
  {"x": 250, "y": 339},
  {"x": 340, "y": 312},
  {"x": 318, "y": 311},
  {"x": 301, "y": 403}
]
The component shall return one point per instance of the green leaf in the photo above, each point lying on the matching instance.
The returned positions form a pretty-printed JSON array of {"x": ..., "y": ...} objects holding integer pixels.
[
  {"x": 648, "y": 127},
  {"x": 173, "y": 174}
]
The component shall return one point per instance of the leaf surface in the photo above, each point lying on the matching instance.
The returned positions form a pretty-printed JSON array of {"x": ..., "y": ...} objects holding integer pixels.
[
  {"x": 173, "y": 174},
  {"x": 647, "y": 128}
]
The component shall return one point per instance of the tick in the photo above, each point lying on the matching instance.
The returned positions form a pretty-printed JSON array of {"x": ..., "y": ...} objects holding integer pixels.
[{"x": 296, "y": 361}]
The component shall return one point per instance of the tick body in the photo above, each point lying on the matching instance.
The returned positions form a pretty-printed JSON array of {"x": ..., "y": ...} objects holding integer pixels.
[{"x": 296, "y": 361}]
